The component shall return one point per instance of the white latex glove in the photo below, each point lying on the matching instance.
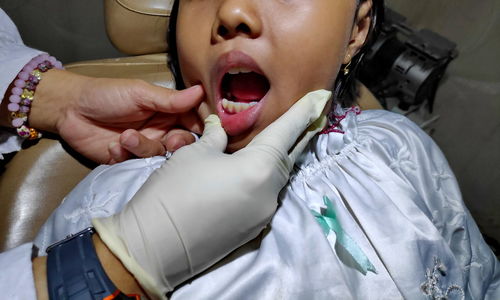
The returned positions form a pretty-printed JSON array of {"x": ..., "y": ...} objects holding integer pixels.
[{"x": 202, "y": 203}]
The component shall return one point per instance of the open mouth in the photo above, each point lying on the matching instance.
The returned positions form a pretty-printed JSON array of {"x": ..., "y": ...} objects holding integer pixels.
[{"x": 241, "y": 89}]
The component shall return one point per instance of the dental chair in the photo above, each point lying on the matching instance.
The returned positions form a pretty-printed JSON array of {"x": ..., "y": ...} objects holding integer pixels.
[{"x": 34, "y": 182}]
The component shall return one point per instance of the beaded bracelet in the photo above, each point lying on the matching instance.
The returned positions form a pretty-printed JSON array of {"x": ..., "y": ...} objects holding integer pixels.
[{"x": 23, "y": 92}]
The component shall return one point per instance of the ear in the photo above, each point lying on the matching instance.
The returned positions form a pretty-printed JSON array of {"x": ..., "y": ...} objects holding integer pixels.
[{"x": 360, "y": 30}]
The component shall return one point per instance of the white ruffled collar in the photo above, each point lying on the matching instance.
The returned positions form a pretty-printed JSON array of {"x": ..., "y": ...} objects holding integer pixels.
[{"x": 341, "y": 131}]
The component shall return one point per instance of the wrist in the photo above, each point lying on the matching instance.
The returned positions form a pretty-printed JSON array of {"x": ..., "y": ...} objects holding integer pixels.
[
  {"x": 4, "y": 112},
  {"x": 114, "y": 269},
  {"x": 56, "y": 94},
  {"x": 22, "y": 93}
]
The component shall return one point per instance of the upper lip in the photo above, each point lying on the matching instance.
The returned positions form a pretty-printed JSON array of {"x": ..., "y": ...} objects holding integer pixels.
[{"x": 229, "y": 60}]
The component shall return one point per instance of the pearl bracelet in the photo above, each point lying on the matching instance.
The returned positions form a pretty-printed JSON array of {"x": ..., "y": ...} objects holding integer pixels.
[{"x": 23, "y": 92}]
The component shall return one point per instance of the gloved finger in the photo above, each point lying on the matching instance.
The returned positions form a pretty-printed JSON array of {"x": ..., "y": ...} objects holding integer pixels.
[
  {"x": 283, "y": 133},
  {"x": 203, "y": 110},
  {"x": 139, "y": 145},
  {"x": 157, "y": 98},
  {"x": 177, "y": 138},
  {"x": 213, "y": 134},
  {"x": 310, "y": 132}
]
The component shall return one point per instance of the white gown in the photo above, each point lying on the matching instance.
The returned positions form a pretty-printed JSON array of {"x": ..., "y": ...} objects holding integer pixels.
[{"x": 393, "y": 193}]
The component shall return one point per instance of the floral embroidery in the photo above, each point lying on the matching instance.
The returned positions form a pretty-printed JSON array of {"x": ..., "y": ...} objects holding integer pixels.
[
  {"x": 90, "y": 209},
  {"x": 403, "y": 160},
  {"x": 431, "y": 287},
  {"x": 335, "y": 117},
  {"x": 440, "y": 176}
]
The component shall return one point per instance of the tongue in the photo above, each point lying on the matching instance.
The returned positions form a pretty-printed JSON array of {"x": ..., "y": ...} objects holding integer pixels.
[{"x": 248, "y": 87}]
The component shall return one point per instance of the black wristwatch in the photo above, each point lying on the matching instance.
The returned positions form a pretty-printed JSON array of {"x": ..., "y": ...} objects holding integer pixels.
[{"x": 74, "y": 271}]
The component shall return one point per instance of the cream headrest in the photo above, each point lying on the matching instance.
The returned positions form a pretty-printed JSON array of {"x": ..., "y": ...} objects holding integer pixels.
[{"x": 138, "y": 27}]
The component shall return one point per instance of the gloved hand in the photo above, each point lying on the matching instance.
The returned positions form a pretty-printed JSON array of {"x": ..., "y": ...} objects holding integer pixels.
[{"x": 202, "y": 203}]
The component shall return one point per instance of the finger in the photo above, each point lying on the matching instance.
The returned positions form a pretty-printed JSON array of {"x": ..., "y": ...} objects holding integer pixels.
[
  {"x": 284, "y": 132},
  {"x": 214, "y": 135},
  {"x": 177, "y": 138},
  {"x": 310, "y": 132},
  {"x": 191, "y": 121},
  {"x": 203, "y": 110},
  {"x": 139, "y": 145},
  {"x": 117, "y": 153},
  {"x": 156, "y": 98}
]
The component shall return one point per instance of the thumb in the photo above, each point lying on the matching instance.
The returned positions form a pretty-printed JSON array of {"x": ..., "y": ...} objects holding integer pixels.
[
  {"x": 213, "y": 134},
  {"x": 284, "y": 132},
  {"x": 157, "y": 98}
]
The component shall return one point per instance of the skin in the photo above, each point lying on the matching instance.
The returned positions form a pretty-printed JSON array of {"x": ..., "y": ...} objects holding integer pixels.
[
  {"x": 268, "y": 42},
  {"x": 207, "y": 30},
  {"x": 110, "y": 120}
]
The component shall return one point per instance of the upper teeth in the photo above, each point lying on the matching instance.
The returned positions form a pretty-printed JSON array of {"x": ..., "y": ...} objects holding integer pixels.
[
  {"x": 234, "y": 71},
  {"x": 236, "y": 107}
]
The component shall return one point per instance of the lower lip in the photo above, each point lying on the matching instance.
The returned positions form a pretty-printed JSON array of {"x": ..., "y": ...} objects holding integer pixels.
[{"x": 238, "y": 123}]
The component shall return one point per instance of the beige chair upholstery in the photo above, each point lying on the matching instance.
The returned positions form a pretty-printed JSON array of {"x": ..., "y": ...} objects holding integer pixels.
[
  {"x": 138, "y": 26},
  {"x": 37, "y": 179}
]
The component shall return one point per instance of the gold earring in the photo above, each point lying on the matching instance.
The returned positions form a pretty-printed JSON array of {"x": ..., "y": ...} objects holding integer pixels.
[{"x": 346, "y": 67}]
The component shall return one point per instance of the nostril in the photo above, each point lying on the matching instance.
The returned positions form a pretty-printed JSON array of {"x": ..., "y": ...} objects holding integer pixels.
[
  {"x": 222, "y": 31},
  {"x": 242, "y": 28}
]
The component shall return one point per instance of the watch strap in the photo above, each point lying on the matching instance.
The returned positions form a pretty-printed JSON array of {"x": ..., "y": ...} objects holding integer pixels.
[{"x": 74, "y": 271}]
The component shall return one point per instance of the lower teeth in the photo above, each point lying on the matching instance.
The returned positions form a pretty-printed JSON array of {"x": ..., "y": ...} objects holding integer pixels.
[{"x": 236, "y": 107}]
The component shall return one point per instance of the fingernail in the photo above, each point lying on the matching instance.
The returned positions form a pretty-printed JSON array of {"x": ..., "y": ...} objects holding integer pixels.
[
  {"x": 131, "y": 141},
  {"x": 194, "y": 87},
  {"x": 179, "y": 145},
  {"x": 212, "y": 119},
  {"x": 114, "y": 150}
]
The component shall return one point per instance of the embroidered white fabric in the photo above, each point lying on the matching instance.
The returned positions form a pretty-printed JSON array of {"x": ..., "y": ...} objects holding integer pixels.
[
  {"x": 14, "y": 55},
  {"x": 16, "y": 275},
  {"x": 393, "y": 193}
]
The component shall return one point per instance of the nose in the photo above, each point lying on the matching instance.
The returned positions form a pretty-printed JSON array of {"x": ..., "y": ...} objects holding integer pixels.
[{"x": 236, "y": 18}]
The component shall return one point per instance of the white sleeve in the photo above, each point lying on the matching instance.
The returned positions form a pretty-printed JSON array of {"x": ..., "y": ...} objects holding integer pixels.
[
  {"x": 102, "y": 193},
  {"x": 14, "y": 55},
  {"x": 16, "y": 276},
  {"x": 420, "y": 162}
]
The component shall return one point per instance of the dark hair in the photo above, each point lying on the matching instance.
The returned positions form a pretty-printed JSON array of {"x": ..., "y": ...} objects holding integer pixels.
[{"x": 345, "y": 89}]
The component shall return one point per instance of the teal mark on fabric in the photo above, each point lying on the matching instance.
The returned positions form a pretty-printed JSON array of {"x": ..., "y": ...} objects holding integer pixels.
[{"x": 328, "y": 221}]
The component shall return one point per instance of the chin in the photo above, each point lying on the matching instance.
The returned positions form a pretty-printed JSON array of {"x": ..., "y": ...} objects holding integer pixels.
[{"x": 236, "y": 143}]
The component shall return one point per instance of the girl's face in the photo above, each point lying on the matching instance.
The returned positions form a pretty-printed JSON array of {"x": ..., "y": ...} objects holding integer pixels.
[{"x": 256, "y": 58}]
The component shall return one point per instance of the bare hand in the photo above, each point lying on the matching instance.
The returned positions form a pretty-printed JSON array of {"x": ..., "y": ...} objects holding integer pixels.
[{"x": 110, "y": 120}]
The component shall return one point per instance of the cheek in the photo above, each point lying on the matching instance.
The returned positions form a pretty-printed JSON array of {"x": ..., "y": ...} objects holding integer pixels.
[
  {"x": 191, "y": 32},
  {"x": 309, "y": 61},
  {"x": 324, "y": 57},
  {"x": 320, "y": 36},
  {"x": 189, "y": 66},
  {"x": 312, "y": 65}
]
